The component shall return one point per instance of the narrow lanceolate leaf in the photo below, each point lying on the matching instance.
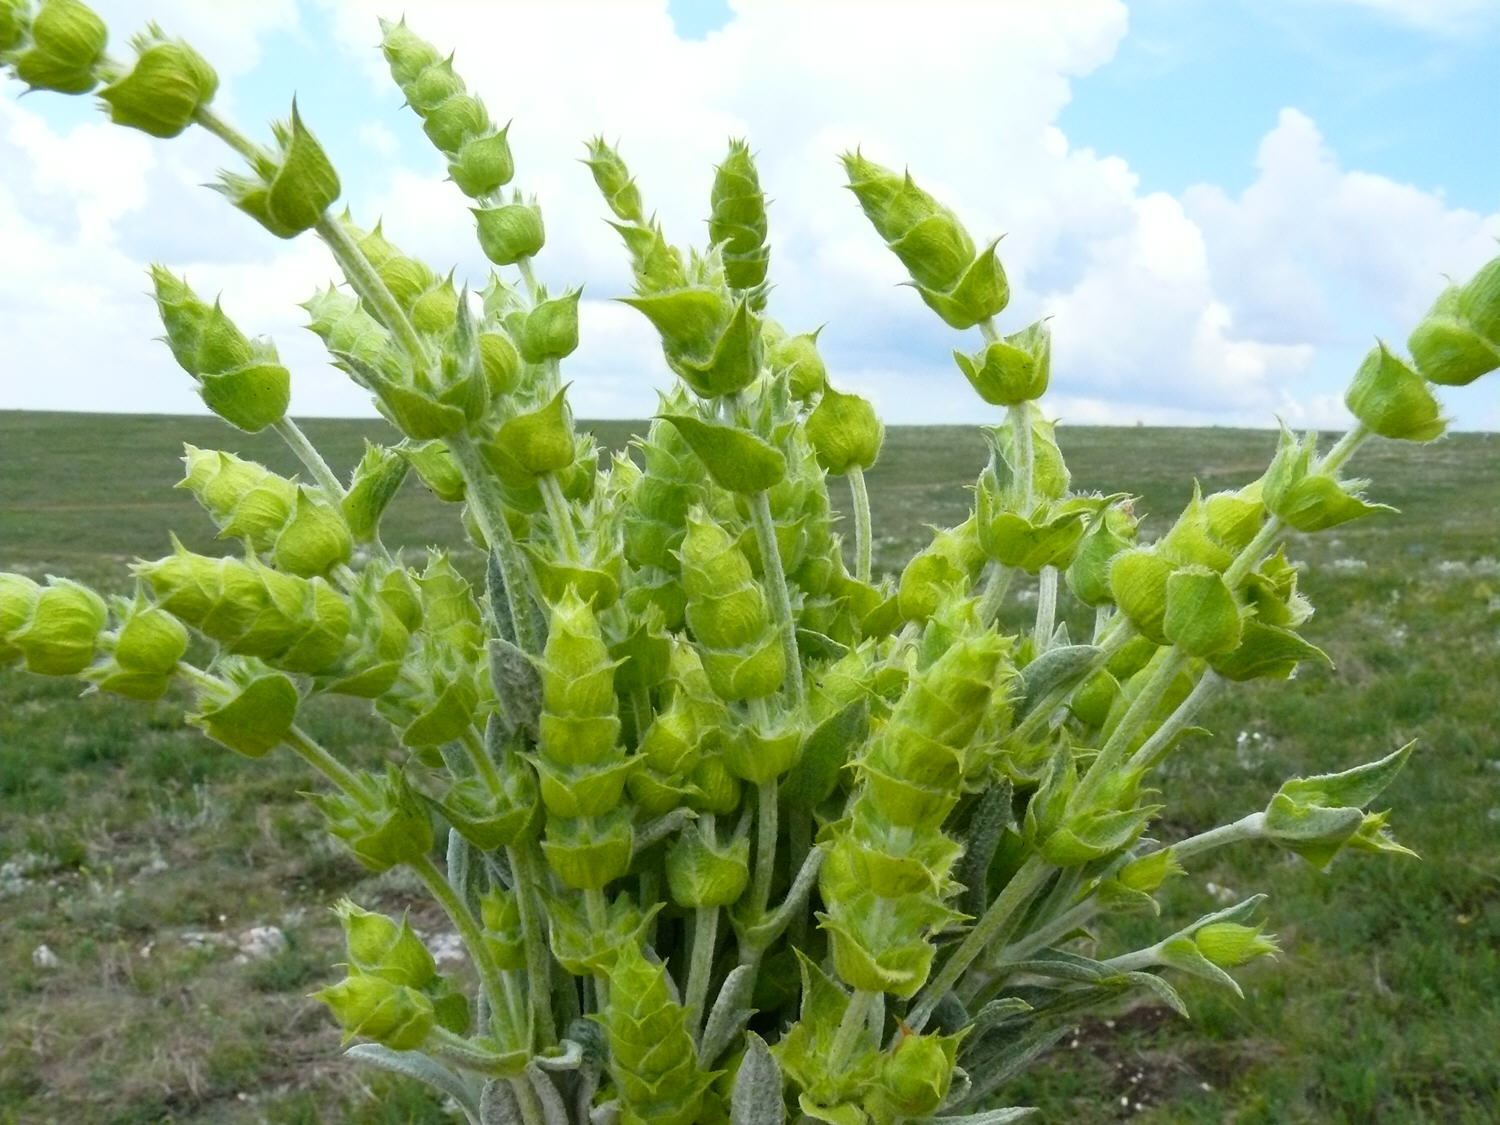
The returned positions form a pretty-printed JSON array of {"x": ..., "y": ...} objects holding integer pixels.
[
  {"x": 414, "y": 1064},
  {"x": 757, "y": 1098}
]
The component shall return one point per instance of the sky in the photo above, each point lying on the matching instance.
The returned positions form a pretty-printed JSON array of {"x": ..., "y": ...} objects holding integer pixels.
[{"x": 1220, "y": 204}]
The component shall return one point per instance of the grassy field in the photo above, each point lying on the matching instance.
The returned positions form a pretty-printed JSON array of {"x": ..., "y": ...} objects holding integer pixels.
[{"x": 135, "y": 851}]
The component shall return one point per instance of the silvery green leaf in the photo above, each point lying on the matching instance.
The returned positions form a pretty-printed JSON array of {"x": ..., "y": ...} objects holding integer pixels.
[
  {"x": 757, "y": 1098},
  {"x": 494, "y": 581},
  {"x": 414, "y": 1064},
  {"x": 950, "y": 1016},
  {"x": 497, "y": 1105},
  {"x": 991, "y": 1064},
  {"x": 1164, "y": 991},
  {"x": 818, "y": 645},
  {"x": 517, "y": 684},
  {"x": 1060, "y": 965},
  {"x": 989, "y": 822},
  {"x": 987, "y": 1117},
  {"x": 1055, "y": 668},
  {"x": 731, "y": 1011},
  {"x": 1353, "y": 788},
  {"x": 997, "y": 1012},
  {"x": 825, "y": 753}
]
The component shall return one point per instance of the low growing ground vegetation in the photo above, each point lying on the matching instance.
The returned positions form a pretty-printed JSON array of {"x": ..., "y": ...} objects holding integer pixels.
[{"x": 675, "y": 782}]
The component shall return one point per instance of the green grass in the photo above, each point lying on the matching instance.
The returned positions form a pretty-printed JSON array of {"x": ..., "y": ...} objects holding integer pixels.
[{"x": 121, "y": 832}]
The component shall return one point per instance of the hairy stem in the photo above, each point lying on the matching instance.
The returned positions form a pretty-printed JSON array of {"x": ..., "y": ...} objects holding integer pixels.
[
  {"x": 775, "y": 582},
  {"x": 489, "y": 510},
  {"x": 765, "y": 847},
  {"x": 1046, "y": 611},
  {"x": 863, "y": 545},
  {"x": 1246, "y": 828},
  {"x": 524, "y": 866},
  {"x": 559, "y": 515},
  {"x": 370, "y": 288},
  {"x": 308, "y": 454},
  {"x": 1154, "y": 747},
  {"x": 996, "y": 924},
  {"x": 849, "y": 1031},
  {"x": 700, "y": 964},
  {"x": 501, "y": 998}
]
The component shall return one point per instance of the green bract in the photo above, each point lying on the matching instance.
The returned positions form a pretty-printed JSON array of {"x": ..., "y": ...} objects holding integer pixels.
[{"x": 705, "y": 779}]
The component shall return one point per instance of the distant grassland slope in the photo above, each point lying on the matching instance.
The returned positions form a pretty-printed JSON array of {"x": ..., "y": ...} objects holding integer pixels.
[{"x": 125, "y": 838}]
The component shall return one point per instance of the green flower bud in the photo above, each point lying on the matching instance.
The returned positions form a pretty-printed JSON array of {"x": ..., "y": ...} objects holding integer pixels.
[
  {"x": 700, "y": 872},
  {"x": 67, "y": 43},
  {"x": 1393, "y": 400},
  {"x": 253, "y": 718},
  {"x": 314, "y": 540},
  {"x": 652, "y": 1059},
  {"x": 290, "y": 195},
  {"x": 1011, "y": 371},
  {"x": 61, "y": 635},
  {"x": 1447, "y": 349},
  {"x": 407, "y": 54},
  {"x": 844, "y": 432},
  {"x": 1479, "y": 301},
  {"x": 244, "y": 499},
  {"x": 392, "y": 828},
  {"x": 511, "y": 231},
  {"x": 500, "y": 361},
  {"x": 614, "y": 182},
  {"x": 1138, "y": 584},
  {"x": 1150, "y": 871},
  {"x": 484, "y": 164},
  {"x": 15, "y": 23},
  {"x": 458, "y": 118},
  {"x": 437, "y": 468},
  {"x": 590, "y": 852},
  {"x": 915, "y": 1077},
  {"x": 490, "y": 818},
  {"x": 579, "y": 724},
  {"x": 712, "y": 342},
  {"x": 797, "y": 357},
  {"x": 1228, "y": 944},
  {"x": 529, "y": 445},
  {"x": 435, "y": 311},
  {"x": 18, "y": 598},
  {"x": 1201, "y": 616},
  {"x": 760, "y": 754},
  {"x": 736, "y": 460},
  {"x": 165, "y": 89},
  {"x": 150, "y": 640},
  {"x": 394, "y": 1015},
  {"x": 377, "y": 479},
  {"x": 379, "y": 947},
  {"x": 738, "y": 222},
  {"x": 1088, "y": 574},
  {"x": 500, "y": 913},
  {"x": 1309, "y": 500},
  {"x": 550, "y": 330}
]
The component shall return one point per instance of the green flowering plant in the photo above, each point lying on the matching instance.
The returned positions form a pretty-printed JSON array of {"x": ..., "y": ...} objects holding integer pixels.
[{"x": 734, "y": 829}]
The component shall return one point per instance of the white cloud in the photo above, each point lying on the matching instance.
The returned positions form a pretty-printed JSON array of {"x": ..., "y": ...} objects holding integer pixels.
[
  {"x": 1445, "y": 17},
  {"x": 1205, "y": 306}
]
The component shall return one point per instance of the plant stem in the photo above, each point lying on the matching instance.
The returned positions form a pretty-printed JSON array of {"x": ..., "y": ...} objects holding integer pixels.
[
  {"x": 308, "y": 454},
  {"x": 995, "y": 587},
  {"x": 370, "y": 288},
  {"x": 1064, "y": 924},
  {"x": 1169, "y": 663},
  {"x": 765, "y": 847},
  {"x": 850, "y": 1027},
  {"x": 462, "y": 1053},
  {"x": 489, "y": 510},
  {"x": 598, "y": 916},
  {"x": 1046, "y": 611},
  {"x": 775, "y": 582},
  {"x": 863, "y": 546},
  {"x": 1154, "y": 747},
  {"x": 501, "y": 998},
  {"x": 700, "y": 965},
  {"x": 1002, "y": 915},
  {"x": 761, "y": 937},
  {"x": 523, "y": 866},
  {"x": 326, "y": 764},
  {"x": 559, "y": 515},
  {"x": 256, "y": 156},
  {"x": 1020, "y": 424},
  {"x": 1042, "y": 711},
  {"x": 484, "y": 765},
  {"x": 1246, "y": 828}
]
